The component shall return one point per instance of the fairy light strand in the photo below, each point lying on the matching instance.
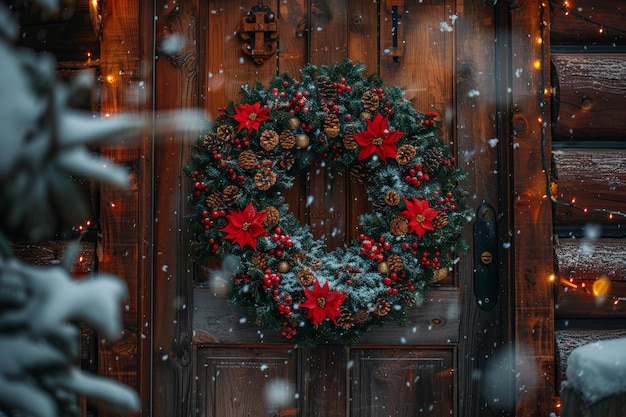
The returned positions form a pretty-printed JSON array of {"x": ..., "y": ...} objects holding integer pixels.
[
  {"x": 572, "y": 12},
  {"x": 542, "y": 118}
]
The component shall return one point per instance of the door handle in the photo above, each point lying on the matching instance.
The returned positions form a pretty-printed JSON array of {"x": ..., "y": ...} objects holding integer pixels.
[{"x": 486, "y": 283}]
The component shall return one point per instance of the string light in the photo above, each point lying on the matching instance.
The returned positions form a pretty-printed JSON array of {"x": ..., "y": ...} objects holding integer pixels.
[
  {"x": 566, "y": 7},
  {"x": 567, "y": 10},
  {"x": 601, "y": 285}
]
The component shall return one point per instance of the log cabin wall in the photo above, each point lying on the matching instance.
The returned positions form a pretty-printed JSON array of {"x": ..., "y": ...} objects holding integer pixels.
[{"x": 588, "y": 54}]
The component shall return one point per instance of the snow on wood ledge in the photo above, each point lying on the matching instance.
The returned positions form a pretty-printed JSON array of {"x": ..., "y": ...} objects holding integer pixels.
[{"x": 598, "y": 370}]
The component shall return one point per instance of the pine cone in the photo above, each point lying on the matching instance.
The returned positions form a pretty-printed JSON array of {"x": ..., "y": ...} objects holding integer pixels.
[
  {"x": 287, "y": 160},
  {"x": 345, "y": 321},
  {"x": 398, "y": 226},
  {"x": 317, "y": 264},
  {"x": 440, "y": 221},
  {"x": 370, "y": 101},
  {"x": 230, "y": 194},
  {"x": 439, "y": 274},
  {"x": 211, "y": 142},
  {"x": 259, "y": 260},
  {"x": 359, "y": 173},
  {"x": 382, "y": 307},
  {"x": 247, "y": 159},
  {"x": 225, "y": 133},
  {"x": 409, "y": 300},
  {"x": 392, "y": 198},
  {"x": 395, "y": 263},
  {"x": 264, "y": 179},
  {"x": 361, "y": 316},
  {"x": 349, "y": 142},
  {"x": 331, "y": 125},
  {"x": 433, "y": 157},
  {"x": 287, "y": 139},
  {"x": 296, "y": 258},
  {"x": 272, "y": 218},
  {"x": 214, "y": 201},
  {"x": 326, "y": 87},
  {"x": 405, "y": 154},
  {"x": 306, "y": 276},
  {"x": 269, "y": 139}
]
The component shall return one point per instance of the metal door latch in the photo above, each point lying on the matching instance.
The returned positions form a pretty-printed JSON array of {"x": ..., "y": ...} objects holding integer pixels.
[{"x": 486, "y": 281}]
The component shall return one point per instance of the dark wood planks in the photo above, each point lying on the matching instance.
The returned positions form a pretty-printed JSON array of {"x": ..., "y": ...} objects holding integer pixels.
[{"x": 532, "y": 212}]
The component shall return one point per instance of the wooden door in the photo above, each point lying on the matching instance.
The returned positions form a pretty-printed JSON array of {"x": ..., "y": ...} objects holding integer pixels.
[{"x": 443, "y": 54}]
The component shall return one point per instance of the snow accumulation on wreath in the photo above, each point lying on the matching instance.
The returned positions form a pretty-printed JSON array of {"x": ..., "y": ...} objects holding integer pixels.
[{"x": 598, "y": 370}]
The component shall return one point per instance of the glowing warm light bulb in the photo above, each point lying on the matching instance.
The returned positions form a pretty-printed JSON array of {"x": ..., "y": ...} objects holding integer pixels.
[
  {"x": 537, "y": 64},
  {"x": 551, "y": 278},
  {"x": 601, "y": 286},
  {"x": 601, "y": 30}
]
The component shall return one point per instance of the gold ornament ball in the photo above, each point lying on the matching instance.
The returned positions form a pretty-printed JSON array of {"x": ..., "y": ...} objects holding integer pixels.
[
  {"x": 294, "y": 123},
  {"x": 383, "y": 268},
  {"x": 302, "y": 141},
  {"x": 365, "y": 115},
  {"x": 283, "y": 267}
]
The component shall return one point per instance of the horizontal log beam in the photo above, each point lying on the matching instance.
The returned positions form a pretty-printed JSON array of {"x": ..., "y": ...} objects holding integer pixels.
[
  {"x": 589, "y": 96},
  {"x": 580, "y": 264},
  {"x": 587, "y": 180}
]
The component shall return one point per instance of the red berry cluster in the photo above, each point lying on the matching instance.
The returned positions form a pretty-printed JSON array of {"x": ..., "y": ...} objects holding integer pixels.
[
  {"x": 447, "y": 203},
  {"x": 396, "y": 282},
  {"x": 199, "y": 185},
  {"x": 271, "y": 281},
  {"x": 448, "y": 162},
  {"x": 289, "y": 329},
  {"x": 373, "y": 249},
  {"x": 284, "y": 305},
  {"x": 283, "y": 241},
  {"x": 230, "y": 171},
  {"x": 351, "y": 271},
  {"x": 416, "y": 175},
  {"x": 430, "y": 118},
  {"x": 431, "y": 260},
  {"x": 341, "y": 86}
]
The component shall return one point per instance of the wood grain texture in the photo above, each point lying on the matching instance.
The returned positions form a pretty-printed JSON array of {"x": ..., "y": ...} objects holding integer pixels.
[
  {"x": 574, "y": 405},
  {"x": 176, "y": 82},
  {"x": 580, "y": 263},
  {"x": 589, "y": 96},
  {"x": 590, "y": 180},
  {"x": 402, "y": 382},
  {"x": 532, "y": 214},
  {"x": 434, "y": 321},
  {"x": 119, "y": 208},
  {"x": 234, "y": 382}
]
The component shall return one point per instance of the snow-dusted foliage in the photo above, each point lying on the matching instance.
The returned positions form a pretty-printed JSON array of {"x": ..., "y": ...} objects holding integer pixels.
[{"x": 43, "y": 142}]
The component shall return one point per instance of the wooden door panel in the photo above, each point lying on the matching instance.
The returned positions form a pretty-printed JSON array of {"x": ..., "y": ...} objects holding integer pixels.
[
  {"x": 231, "y": 381},
  {"x": 434, "y": 321},
  {"x": 395, "y": 370},
  {"x": 402, "y": 382}
]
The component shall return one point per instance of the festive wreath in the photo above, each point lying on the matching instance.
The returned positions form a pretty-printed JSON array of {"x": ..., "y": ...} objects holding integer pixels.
[{"x": 358, "y": 127}]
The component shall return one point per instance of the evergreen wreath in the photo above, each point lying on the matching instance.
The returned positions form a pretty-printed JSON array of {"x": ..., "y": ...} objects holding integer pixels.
[{"x": 357, "y": 127}]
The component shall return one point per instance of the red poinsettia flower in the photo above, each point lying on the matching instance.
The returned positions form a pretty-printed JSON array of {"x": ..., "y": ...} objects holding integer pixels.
[
  {"x": 322, "y": 303},
  {"x": 378, "y": 139},
  {"x": 250, "y": 116},
  {"x": 244, "y": 227},
  {"x": 419, "y": 215}
]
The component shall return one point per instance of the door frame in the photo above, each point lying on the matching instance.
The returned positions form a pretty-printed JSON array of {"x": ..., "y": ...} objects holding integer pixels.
[{"x": 525, "y": 319}]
